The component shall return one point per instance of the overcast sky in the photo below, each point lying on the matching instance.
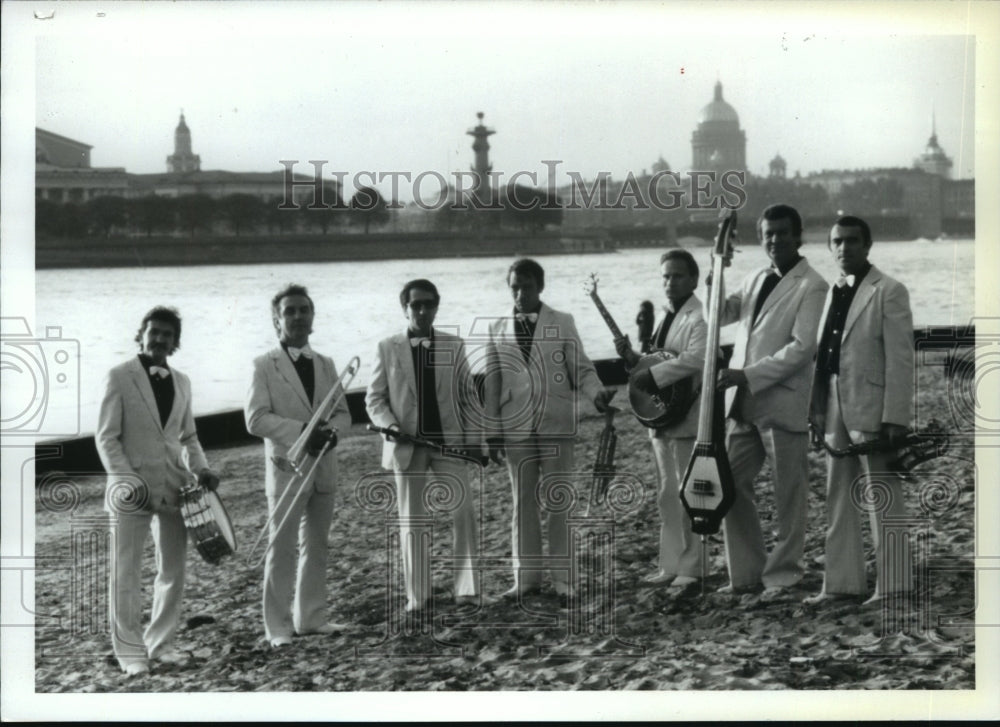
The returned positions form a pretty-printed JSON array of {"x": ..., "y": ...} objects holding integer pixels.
[{"x": 386, "y": 87}]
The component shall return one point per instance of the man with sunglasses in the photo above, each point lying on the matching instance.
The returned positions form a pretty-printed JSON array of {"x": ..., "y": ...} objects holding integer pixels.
[{"x": 421, "y": 387}]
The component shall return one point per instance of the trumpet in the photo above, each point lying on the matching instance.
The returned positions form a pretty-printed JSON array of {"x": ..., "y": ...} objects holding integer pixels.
[{"x": 299, "y": 462}]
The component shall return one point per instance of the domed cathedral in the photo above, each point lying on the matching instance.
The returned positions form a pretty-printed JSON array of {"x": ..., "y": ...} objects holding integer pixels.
[
  {"x": 777, "y": 168},
  {"x": 718, "y": 144},
  {"x": 934, "y": 160},
  {"x": 183, "y": 160}
]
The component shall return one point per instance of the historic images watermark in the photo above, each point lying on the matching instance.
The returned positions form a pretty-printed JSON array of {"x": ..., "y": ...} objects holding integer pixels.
[{"x": 463, "y": 190}]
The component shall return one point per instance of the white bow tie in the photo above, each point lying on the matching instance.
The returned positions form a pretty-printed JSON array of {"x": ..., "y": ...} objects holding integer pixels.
[
  {"x": 533, "y": 317},
  {"x": 847, "y": 280},
  {"x": 159, "y": 372},
  {"x": 295, "y": 353},
  {"x": 420, "y": 341}
]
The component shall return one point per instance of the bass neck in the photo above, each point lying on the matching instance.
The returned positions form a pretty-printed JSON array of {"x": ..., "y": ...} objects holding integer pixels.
[{"x": 706, "y": 409}]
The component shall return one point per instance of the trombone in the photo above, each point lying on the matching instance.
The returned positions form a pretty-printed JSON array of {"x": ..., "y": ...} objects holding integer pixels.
[{"x": 299, "y": 462}]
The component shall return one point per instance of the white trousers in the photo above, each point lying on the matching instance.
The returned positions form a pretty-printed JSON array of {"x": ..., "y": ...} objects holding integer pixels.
[
  {"x": 128, "y": 640},
  {"x": 748, "y": 447},
  {"x": 445, "y": 481},
  {"x": 295, "y": 594},
  {"x": 535, "y": 466},
  {"x": 847, "y": 478},
  {"x": 680, "y": 549}
]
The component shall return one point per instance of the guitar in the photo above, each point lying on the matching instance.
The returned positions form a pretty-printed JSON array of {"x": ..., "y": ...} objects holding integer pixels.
[
  {"x": 707, "y": 490},
  {"x": 666, "y": 406}
]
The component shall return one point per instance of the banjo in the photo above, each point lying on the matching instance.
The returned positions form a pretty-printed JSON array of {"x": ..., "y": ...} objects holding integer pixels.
[
  {"x": 666, "y": 406},
  {"x": 707, "y": 490}
]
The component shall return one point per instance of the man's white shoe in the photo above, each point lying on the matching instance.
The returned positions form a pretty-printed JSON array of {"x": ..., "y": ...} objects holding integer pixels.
[
  {"x": 658, "y": 578},
  {"x": 279, "y": 641},
  {"x": 171, "y": 656},
  {"x": 136, "y": 668}
]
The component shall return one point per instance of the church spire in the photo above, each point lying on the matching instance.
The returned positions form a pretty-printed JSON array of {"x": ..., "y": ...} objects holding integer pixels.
[{"x": 183, "y": 159}]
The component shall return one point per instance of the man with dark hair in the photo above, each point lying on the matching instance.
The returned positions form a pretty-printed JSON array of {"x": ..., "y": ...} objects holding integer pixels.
[
  {"x": 777, "y": 313},
  {"x": 536, "y": 365},
  {"x": 289, "y": 382},
  {"x": 149, "y": 447},
  {"x": 862, "y": 391},
  {"x": 683, "y": 333},
  {"x": 421, "y": 386}
]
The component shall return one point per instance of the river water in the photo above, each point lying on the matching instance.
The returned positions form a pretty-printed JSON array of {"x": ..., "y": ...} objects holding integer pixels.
[{"x": 227, "y": 322}]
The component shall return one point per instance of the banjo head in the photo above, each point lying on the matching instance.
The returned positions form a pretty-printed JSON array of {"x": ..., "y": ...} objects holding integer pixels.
[{"x": 672, "y": 402}]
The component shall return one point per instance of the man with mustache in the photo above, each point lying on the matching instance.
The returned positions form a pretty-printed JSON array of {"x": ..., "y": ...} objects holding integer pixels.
[
  {"x": 777, "y": 311},
  {"x": 148, "y": 444},
  {"x": 862, "y": 391},
  {"x": 289, "y": 382}
]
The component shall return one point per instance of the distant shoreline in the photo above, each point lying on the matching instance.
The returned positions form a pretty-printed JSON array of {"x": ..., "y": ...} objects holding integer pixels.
[
  {"x": 164, "y": 251},
  {"x": 158, "y": 251}
]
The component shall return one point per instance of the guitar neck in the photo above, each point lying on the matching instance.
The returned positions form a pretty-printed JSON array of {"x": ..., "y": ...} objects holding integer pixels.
[{"x": 605, "y": 315}]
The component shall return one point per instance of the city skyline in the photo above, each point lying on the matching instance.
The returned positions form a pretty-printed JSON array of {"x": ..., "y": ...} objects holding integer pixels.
[{"x": 398, "y": 102}]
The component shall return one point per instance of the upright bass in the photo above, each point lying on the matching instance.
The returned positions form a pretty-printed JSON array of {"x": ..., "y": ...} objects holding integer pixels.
[{"x": 707, "y": 490}]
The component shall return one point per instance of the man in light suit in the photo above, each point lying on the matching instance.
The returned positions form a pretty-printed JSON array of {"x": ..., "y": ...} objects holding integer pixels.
[
  {"x": 421, "y": 386},
  {"x": 862, "y": 391},
  {"x": 535, "y": 367},
  {"x": 148, "y": 444},
  {"x": 289, "y": 383},
  {"x": 777, "y": 313},
  {"x": 682, "y": 332}
]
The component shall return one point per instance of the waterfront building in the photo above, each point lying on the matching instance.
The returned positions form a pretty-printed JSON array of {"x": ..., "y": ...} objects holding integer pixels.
[
  {"x": 718, "y": 143},
  {"x": 183, "y": 159},
  {"x": 63, "y": 172}
]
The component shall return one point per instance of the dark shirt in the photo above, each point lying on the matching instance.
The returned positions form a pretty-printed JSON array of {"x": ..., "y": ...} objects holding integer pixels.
[
  {"x": 428, "y": 414},
  {"x": 661, "y": 337},
  {"x": 828, "y": 354},
  {"x": 524, "y": 332},
  {"x": 770, "y": 283},
  {"x": 163, "y": 389},
  {"x": 307, "y": 375}
]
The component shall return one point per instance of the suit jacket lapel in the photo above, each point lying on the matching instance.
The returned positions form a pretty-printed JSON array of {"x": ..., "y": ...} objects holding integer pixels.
[
  {"x": 865, "y": 292},
  {"x": 321, "y": 378},
  {"x": 284, "y": 366},
  {"x": 441, "y": 353},
  {"x": 141, "y": 380},
  {"x": 757, "y": 285},
  {"x": 678, "y": 324},
  {"x": 656, "y": 332},
  {"x": 401, "y": 344},
  {"x": 826, "y": 313},
  {"x": 180, "y": 397},
  {"x": 783, "y": 287},
  {"x": 544, "y": 319}
]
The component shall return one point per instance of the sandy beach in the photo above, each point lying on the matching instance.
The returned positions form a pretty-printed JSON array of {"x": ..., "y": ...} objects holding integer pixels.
[{"x": 620, "y": 634}]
